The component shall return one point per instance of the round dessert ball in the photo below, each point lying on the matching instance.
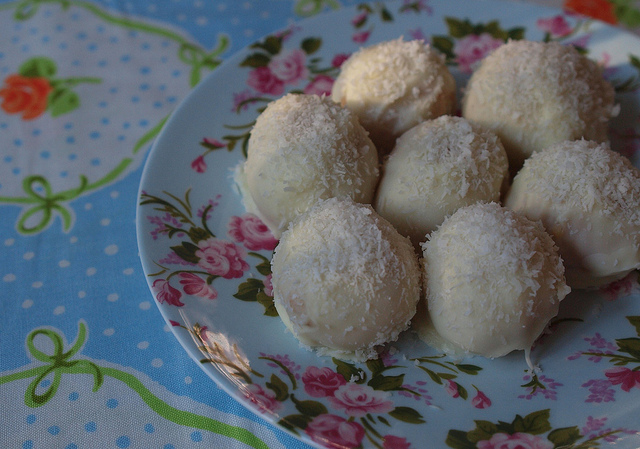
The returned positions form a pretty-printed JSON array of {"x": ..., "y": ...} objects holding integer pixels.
[
  {"x": 393, "y": 86},
  {"x": 304, "y": 148},
  {"x": 344, "y": 280},
  {"x": 534, "y": 94},
  {"x": 435, "y": 168},
  {"x": 493, "y": 280},
  {"x": 588, "y": 198}
]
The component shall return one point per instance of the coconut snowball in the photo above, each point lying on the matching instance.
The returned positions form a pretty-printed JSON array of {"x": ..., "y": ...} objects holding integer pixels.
[
  {"x": 344, "y": 280},
  {"x": 435, "y": 168},
  {"x": 493, "y": 280},
  {"x": 304, "y": 148},
  {"x": 588, "y": 198},
  {"x": 534, "y": 94},
  {"x": 393, "y": 86}
]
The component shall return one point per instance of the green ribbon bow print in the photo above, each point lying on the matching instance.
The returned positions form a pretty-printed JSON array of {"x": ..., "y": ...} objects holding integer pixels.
[{"x": 62, "y": 362}]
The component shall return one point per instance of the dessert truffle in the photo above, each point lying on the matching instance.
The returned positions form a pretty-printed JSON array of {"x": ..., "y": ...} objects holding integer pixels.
[
  {"x": 493, "y": 280},
  {"x": 344, "y": 280},
  {"x": 588, "y": 198},
  {"x": 534, "y": 94},
  {"x": 304, "y": 148},
  {"x": 394, "y": 85},
  {"x": 435, "y": 168}
]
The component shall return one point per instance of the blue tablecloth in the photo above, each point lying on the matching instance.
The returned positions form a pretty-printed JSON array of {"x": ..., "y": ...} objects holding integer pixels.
[{"x": 86, "y": 360}]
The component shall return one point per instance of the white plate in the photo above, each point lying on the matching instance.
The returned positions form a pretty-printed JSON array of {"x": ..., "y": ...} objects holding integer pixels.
[{"x": 588, "y": 392}]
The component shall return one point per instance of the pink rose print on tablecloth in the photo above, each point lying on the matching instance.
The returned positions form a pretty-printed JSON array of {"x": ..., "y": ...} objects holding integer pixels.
[
  {"x": 221, "y": 258},
  {"x": 472, "y": 48},
  {"x": 165, "y": 293},
  {"x": 252, "y": 232},
  {"x": 321, "y": 382},
  {"x": 393, "y": 442},
  {"x": 193, "y": 284},
  {"x": 516, "y": 441},
  {"x": 264, "y": 399},
  {"x": 289, "y": 66},
  {"x": 556, "y": 26},
  {"x": 335, "y": 432},
  {"x": 358, "y": 400}
]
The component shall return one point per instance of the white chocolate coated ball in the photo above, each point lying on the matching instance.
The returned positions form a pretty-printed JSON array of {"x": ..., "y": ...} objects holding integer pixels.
[
  {"x": 435, "y": 168},
  {"x": 304, "y": 148},
  {"x": 493, "y": 280},
  {"x": 588, "y": 198},
  {"x": 344, "y": 280}
]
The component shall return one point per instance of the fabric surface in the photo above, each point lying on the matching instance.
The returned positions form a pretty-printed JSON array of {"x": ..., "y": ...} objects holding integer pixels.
[{"x": 86, "y": 359}]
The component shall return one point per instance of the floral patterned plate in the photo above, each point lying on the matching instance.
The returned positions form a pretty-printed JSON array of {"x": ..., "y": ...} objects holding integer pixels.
[{"x": 207, "y": 261}]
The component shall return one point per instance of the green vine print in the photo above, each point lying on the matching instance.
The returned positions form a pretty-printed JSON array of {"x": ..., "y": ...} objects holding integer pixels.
[{"x": 63, "y": 362}]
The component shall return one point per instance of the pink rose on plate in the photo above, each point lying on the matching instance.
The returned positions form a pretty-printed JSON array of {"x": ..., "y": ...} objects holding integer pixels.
[
  {"x": 393, "y": 442},
  {"x": 165, "y": 293},
  {"x": 289, "y": 66},
  {"x": 481, "y": 400},
  {"x": 335, "y": 432},
  {"x": 516, "y": 441},
  {"x": 361, "y": 37},
  {"x": 358, "y": 400},
  {"x": 452, "y": 388},
  {"x": 472, "y": 48},
  {"x": 199, "y": 165},
  {"x": 268, "y": 285},
  {"x": 264, "y": 81},
  {"x": 264, "y": 399},
  {"x": 193, "y": 284},
  {"x": 321, "y": 382},
  {"x": 221, "y": 258},
  {"x": 625, "y": 377},
  {"x": 252, "y": 232},
  {"x": 339, "y": 59},
  {"x": 556, "y": 26},
  {"x": 320, "y": 85},
  {"x": 620, "y": 288}
]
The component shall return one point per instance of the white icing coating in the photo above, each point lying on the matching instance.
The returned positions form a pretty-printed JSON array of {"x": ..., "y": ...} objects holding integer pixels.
[
  {"x": 493, "y": 279},
  {"x": 344, "y": 280},
  {"x": 534, "y": 94},
  {"x": 304, "y": 148},
  {"x": 394, "y": 85},
  {"x": 588, "y": 198},
  {"x": 435, "y": 168}
]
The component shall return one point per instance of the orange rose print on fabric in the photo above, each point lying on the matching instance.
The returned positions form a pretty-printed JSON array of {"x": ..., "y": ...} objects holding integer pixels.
[
  {"x": 598, "y": 9},
  {"x": 34, "y": 89},
  {"x": 26, "y": 96}
]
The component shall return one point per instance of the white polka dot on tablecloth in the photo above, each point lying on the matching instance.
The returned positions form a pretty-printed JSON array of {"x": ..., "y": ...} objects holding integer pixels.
[
  {"x": 188, "y": 380},
  {"x": 28, "y": 255},
  {"x": 82, "y": 294},
  {"x": 143, "y": 345},
  {"x": 157, "y": 363},
  {"x": 111, "y": 250},
  {"x": 88, "y": 206},
  {"x": 115, "y": 194},
  {"x": 105, "y": 222},
  {"x": 9, "y": 277},
  {"x": 113, "y": 297},
  {"x": 37, "y": 284},
  {"x": 27, "y": 303},
  {"x": 91, "y": 271},
  {"x": 109, "y": 332},
  {"x": 127, "y": 271},
  {"x": 73, "y": 239},
  {"x": 9, "y": 242},
  {"x": 64, "y": 263},
  {"x": 145, "y": 305},
  {"x": 59, "y": 310}
]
